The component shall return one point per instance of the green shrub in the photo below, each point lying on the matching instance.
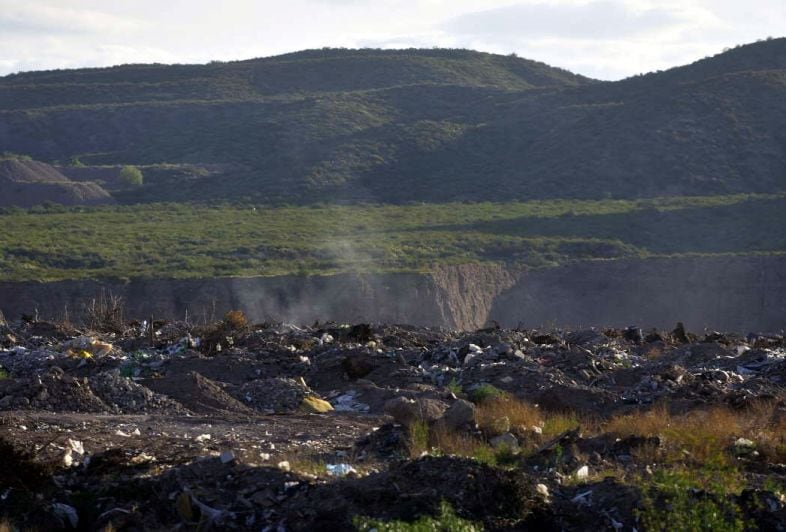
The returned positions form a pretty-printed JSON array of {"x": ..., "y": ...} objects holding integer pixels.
[{"x": 131, "y": 176}]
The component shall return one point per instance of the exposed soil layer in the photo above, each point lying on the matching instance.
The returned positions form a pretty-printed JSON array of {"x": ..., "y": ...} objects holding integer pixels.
[
  {"x": 25, "y": 183},
  {"x": 654, "y": 291}
]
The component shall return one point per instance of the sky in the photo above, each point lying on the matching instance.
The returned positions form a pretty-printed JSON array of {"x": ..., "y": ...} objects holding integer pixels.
[{"x": 604, "y": 39}]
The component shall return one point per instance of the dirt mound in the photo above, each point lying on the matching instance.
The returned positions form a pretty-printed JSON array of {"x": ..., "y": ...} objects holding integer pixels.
[
  {"x": 24, "y": 183},
  {"x": 197, "y": 393},
  {"x": 476, "y": 491},
  {"x": 55, "y": 391},
  {"x": 277, "y": 395},
  {"x": 26, "y": 171},
  {"x": 124, "y": 395}
]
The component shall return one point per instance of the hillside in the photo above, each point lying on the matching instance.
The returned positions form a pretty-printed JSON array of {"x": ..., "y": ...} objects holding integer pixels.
[{"x": 413, "y": 125}]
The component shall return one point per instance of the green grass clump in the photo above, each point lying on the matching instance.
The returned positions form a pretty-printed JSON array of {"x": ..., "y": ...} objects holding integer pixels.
[
  {"x": 454, "y": 387},
  {"x": 418, "y": 438},
  {"x": 486, "y": 391},
  {"x": 446, "y": 521},
  {"x": 692, "y": 499}
]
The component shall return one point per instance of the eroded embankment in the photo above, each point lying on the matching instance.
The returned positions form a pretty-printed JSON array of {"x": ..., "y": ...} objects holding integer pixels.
[
  {"x": 741, "y": 293},
  {"x": 732, "y": 293}
]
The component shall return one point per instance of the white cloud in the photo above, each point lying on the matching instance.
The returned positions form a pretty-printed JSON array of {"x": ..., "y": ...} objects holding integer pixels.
[
  {"x": 39, "y": 17},
  {"x": 598, "y": 20},
  {"x": 601, "y": 38}
]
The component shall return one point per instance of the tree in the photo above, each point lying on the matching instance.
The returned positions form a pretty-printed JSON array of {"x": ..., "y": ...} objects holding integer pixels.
[{"x": 132, "y": 176}]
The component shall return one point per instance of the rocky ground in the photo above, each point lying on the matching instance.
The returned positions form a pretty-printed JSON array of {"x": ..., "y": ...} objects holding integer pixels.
[{"x": 281, "y": 427}]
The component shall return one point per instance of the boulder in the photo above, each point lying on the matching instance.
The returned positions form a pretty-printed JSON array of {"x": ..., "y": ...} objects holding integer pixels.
[
  {"x": 407, "y": 411},
  {"x": 459, "y": 415},
  {"x": 507, "y": 440}
]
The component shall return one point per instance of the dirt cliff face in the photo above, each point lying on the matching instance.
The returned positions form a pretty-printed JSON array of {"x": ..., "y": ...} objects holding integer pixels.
[
  {"x": 394, "y": 298},
  {"x": 731, "y": 293},
  {"x": 734, "y": 293},
  {"x": 467, "y": 292}
]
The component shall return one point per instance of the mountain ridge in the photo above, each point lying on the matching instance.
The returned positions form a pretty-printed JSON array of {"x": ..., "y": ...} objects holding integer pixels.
[{"x": 413, "y": 125}]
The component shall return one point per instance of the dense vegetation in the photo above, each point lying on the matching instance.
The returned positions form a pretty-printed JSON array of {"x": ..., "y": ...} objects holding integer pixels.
[
  {"x": 413, "y": 125},
  {"x": 184, "y": 240}
]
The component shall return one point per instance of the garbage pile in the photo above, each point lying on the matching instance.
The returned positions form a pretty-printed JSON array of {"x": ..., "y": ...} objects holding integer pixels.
[{"x": 286, "y": 427}]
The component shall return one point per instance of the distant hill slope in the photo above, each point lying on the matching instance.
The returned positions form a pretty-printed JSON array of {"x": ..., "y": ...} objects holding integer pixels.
[
  {"x": 24, "y": 183},
  {"x": 414, "y": 125}
]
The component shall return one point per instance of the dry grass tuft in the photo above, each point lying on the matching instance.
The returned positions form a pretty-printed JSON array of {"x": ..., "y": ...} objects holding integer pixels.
[
  {"x": 452, "y": 442},
  {"x": 702, "y": 436},
  {"x": 650, "y": 423},
  {"x": 493, "y": 413}
]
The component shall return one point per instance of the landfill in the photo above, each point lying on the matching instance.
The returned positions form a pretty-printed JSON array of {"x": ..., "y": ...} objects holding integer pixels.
[{"x": 331, "y": 426}]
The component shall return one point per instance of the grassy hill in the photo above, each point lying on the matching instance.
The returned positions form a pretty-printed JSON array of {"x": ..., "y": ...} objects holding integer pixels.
[
  {"x": 413, "y": 125},
  {"x": 375, "y": 160}
]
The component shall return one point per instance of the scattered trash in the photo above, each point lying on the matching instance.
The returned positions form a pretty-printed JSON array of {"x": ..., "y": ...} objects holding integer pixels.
[
  {"x": 582, "y": 473},
  {"x": 421, "y": 377},
  {"x": 348, "y": 402},
  {"x": 227, "y": 457},
  {"x": 582, "y": 499},
  {"x": 315, "y": 405},
  {"x": 339, "y": 470}
]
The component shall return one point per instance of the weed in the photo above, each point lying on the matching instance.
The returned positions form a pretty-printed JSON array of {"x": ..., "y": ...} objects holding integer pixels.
[
  {"x": 682, "y": 499},
  {"x": 4, "y": 374},
  {"x": 454, "y": 387},
  {"x": 485, "y": 392},
  {"x": 506, "y": 456},
  {"x": 105, "y": 313},
  {"x": 418, "y": 438},
  {"x": 555, "y": 424},
  {"x": 778, "y": 487},
  {"x": 485, "y": 455},
  {"x": 446, "y": 521},
  {"x": 559, "y": 453}
]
